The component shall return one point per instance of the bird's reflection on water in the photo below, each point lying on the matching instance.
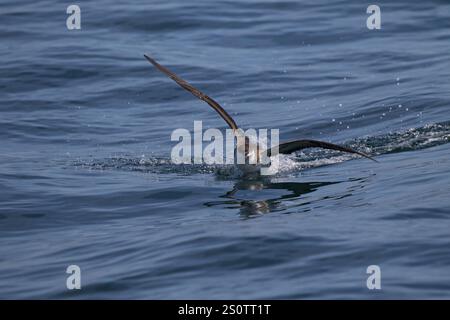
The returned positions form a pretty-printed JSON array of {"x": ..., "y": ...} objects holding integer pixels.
[{"x": 247, "y": 193}]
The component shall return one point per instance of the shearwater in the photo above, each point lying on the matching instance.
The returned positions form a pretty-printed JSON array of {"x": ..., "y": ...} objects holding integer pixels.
[{"x": 244, "y": 145}]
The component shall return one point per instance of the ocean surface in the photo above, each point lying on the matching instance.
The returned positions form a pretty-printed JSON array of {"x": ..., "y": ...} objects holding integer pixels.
[{"x": 86, "y": 176}]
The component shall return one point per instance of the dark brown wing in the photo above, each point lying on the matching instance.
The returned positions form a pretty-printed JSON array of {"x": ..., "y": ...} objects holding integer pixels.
[
  {"x": 291, "y": 146},
  {"x": 228, "y": 119}
]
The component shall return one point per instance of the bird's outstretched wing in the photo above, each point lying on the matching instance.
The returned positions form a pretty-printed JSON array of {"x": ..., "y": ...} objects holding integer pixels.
[
  {"x": 285, "y": 148},
  {"x": 292, "y": 146},
  {"x": 185, "y": 85}
]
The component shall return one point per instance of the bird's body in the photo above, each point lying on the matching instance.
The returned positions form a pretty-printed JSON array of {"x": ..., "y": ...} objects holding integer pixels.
[{"x": 245, "y": 146}]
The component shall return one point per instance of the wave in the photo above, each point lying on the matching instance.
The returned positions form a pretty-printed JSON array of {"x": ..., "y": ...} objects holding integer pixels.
[{"x": 410, "y": 140}]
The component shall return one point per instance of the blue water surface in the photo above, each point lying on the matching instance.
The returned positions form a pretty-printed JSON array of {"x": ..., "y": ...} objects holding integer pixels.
[{"x": 85, "y": 171}]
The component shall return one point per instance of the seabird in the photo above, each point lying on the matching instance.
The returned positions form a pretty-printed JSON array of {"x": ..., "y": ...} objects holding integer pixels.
[{"x": 283, "y": 148}]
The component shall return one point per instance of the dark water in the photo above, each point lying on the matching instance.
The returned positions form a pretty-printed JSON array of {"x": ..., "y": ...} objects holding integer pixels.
[{"x": 85, "y": 172}]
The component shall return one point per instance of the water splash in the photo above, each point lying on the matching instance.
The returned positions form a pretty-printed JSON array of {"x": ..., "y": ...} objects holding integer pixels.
[{"x": 412, "y": 139}]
